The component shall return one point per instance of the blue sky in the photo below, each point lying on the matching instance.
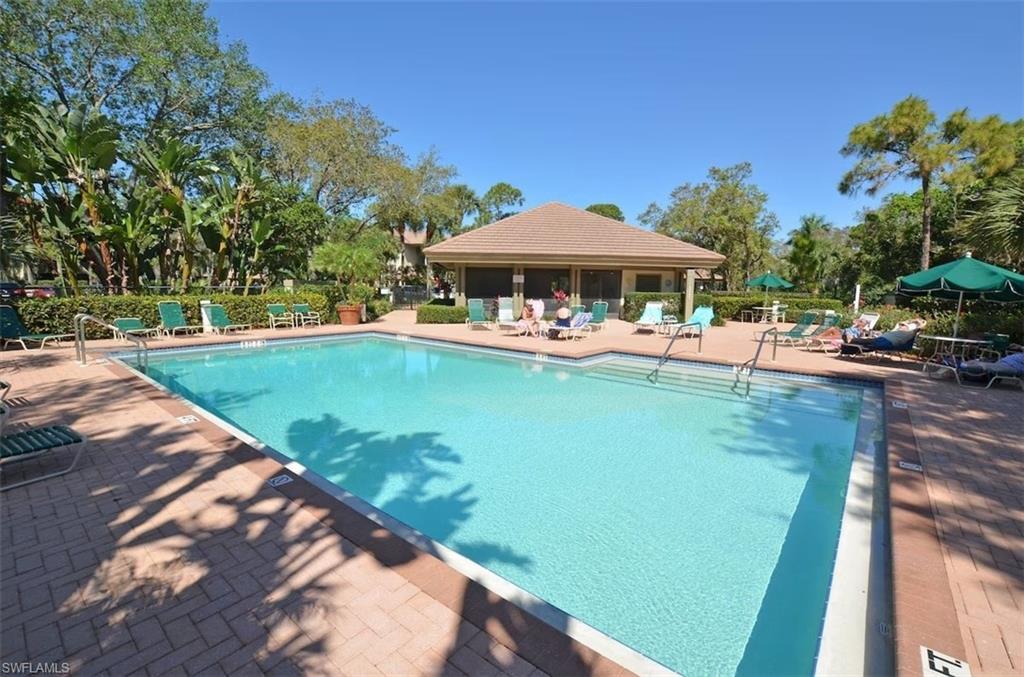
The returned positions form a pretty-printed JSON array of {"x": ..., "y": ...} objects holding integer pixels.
[{"x": 621, "y": 102}]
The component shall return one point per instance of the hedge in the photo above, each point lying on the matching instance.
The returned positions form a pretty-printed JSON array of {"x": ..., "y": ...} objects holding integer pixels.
[
  {"x": 56, "y": 315},
  {"x": 430, "y": 313},
  {"x": 634, "y": 302}
]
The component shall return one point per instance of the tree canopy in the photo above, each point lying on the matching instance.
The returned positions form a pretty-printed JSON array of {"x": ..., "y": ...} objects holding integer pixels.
[{"x": 608, "y": 209}]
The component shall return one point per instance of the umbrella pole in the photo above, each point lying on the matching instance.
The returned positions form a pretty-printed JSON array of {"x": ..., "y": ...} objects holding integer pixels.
[{"x": 956, "y": 320}]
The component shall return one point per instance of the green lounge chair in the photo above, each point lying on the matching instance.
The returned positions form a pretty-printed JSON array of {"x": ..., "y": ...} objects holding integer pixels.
[
  {"x": 279, "y": 315},
  {"x": 800, "y": 331},
  {"x": 26, "y": 444},
  {"x": 599, "y": 314},
  {"x": 827, "y": 323},
  {"x": 651, "y": 318},
  {"x": 133, "y": 326},
  {"x": 13, "y": 331},
  {"x": 305, "y": 315},
  {"x": 476, "y": 314},
  {"x": 576, "y": 310},
  {"x": 220, "y": 322},
  {"x": 172, "y": 319}
]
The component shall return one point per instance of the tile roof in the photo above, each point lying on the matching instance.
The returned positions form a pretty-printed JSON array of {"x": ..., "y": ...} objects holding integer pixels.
[{"x": 556, "y": 231}]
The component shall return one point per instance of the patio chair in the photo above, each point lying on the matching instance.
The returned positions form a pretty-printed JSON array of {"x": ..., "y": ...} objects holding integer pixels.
[
  {"x": 651, "y": 317},
  {"x": 305, "y": 315},
  {"x": 220, "y": 322},
  {"x": 13, "y": 331},
  {"x": 280, "y": 316},
  {"x": 702, "y": 316},
  {"x": 133, "y": 326},
  {"x": 800, "y": 331},
  {"x": 506, "y": 317},
  {"x": 172, "y": 319},
  {"x": 599, "y": 315},
  {"x": 476, "y": 314},
  {"x": 576, "y": 310},
  {"x": 1009, "y": 369},
  {"x": 578, "y": 326},
  {"x": 892, "y": 343},
  {"x": 34, "y": 442},
  {"x": 827, "y": 323}
]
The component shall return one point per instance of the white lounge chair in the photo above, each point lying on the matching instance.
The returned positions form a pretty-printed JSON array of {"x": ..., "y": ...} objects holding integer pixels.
[{"x": 652, "y": 317}]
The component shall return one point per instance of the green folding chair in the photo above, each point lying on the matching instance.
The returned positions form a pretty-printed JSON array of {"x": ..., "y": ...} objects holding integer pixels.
[
  {"x": 172, "y": 319},
  {"x": 476, "y": 318},
  {"x": 220, "y": 321},
  {"x": 13, "y": 331}
]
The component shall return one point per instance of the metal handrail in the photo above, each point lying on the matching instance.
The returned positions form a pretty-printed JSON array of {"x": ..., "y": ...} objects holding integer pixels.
[
  {"x": 141, "y": 347},
  {"x": 750, "y": 365},
  {"x": 653, "y": 376}
]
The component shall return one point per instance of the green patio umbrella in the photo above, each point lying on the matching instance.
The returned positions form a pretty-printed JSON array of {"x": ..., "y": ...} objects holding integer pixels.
[
  {"x": 769, "y": 281},
  {"x": 965, "y": 278}
]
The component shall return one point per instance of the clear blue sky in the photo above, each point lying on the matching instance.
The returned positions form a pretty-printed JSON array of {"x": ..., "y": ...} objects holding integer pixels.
[{"x": 622, "y": 102}]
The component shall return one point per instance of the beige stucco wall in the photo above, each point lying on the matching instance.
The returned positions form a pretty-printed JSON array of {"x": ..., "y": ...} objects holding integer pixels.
[{"x": 668, "y": 279}]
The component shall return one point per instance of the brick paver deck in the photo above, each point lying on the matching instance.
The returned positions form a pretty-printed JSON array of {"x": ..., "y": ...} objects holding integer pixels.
[{"x": 166, "y": 552}]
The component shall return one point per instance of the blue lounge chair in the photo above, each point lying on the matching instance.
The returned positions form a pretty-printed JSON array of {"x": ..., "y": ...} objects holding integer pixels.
[
  {"x": 172, "y": 319},
  {"x": 701, "y": 317},
  {"x": 576, "y": 328},
  {"x": 13, "y": 331},
  {"x": 26, "y": 444},
  {"x": 651, "y": 318},
  {"x": 476, "y": 314},
  {"x": 892, "y": 343}
]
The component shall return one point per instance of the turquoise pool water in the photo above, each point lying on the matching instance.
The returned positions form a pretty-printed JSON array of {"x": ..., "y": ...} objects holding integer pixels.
[{"x": 690, "y": 523}]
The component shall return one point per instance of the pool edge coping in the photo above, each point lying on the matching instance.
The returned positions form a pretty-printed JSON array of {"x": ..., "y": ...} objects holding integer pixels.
[{"x": 914, "y": 541}]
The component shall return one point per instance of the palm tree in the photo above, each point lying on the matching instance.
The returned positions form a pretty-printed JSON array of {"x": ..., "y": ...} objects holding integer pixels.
[
  {"x": 996, "y": 225},
  {"x": 809, "y": 250}
]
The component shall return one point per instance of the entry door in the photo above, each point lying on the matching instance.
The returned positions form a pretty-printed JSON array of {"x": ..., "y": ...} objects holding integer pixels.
[{"x": 601, "y": 285}]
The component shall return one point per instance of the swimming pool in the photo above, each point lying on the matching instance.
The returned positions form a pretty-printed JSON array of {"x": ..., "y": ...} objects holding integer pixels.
[{"x": 691, "y": 521}]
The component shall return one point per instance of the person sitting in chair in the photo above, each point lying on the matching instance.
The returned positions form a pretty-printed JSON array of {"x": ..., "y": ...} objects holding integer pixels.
[{"x": 563, "y": 318}]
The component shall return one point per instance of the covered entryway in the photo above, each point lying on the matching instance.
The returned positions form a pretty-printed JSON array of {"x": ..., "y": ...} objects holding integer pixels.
[{"x": 601, "y": 285}]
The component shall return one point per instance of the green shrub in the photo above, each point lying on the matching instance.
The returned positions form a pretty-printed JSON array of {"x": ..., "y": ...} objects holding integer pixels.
[
  {"x": 431, "y": 313},
  {"x": 378, "y": 308},
  {"x": 634, "y": 302},
  {"x": 56, "y": 315}
]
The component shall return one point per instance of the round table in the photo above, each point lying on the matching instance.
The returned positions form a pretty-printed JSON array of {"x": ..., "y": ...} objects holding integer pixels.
[{"x": 949, "y": 346}]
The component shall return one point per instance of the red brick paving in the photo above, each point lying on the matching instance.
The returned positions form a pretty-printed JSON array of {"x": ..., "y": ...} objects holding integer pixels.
[{"x": 163, "y": 554}]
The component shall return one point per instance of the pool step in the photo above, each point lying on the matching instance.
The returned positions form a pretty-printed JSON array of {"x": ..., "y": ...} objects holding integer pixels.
[{"x": 724, "y": 385}]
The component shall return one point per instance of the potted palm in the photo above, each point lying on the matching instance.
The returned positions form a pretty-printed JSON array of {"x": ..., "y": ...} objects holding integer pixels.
[{"x": 351, "y": 262}]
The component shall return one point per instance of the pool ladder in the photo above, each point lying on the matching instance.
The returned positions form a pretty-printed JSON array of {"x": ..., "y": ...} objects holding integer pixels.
[
  {"x": 748, "y": 367},
  {"x": 141, "y": 348},
  {"x": 653, "y": 376}
]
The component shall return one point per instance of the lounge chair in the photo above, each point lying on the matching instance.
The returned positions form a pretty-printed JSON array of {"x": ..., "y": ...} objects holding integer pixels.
[
  {"x": 868, "y": 320},
  {"x": 506, "y": 318},
  {"x": 799, "y": 332},
  {"x": 476, "y": 314},
  {"x": 133, "y": 326},
  {"x": 220, "y": 322},
  {"x": 827, "y": 323},
  {"x": 651, "y": 317},
  {"x": 305, "y": 315},
  {"x": 599, "y": 314},
  {"x": 172, "y": 320},
  {"x": 578, "y": 326},
  {"x": 576, "y": 310},
  {"x": 1009, "y": 369},
  {"x": 891, "y": 343},
  {"x": 280, "y": 316},
  {"x": 700, "y": 320},
  {"x": 13, "y": 331},
  {"x": 26, "y": 444}
]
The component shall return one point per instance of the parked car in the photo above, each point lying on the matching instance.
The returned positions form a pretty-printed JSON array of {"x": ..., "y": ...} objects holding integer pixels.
[
  {"x": 11, "y": 290},
  {"x": 40, "y": 292}
]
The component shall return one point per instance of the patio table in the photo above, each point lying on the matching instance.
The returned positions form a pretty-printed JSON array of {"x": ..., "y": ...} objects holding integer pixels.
[
  {"x": 949, "y": 346},
  {"x": 775, "y": 312}
]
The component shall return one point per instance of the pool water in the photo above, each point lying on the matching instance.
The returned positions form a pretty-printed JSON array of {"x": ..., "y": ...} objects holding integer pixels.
[{"x": 686, "y": 520}]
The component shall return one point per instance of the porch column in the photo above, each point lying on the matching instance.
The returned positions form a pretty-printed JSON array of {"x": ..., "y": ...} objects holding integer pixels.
[
  {"x": 574, "y": 286},
  {"x": 691, "y": 275},
  {"x": 460, "y": 283},
  {"x": 517, "y": 292}
]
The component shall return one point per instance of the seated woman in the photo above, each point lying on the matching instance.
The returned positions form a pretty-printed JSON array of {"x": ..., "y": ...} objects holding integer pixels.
[
  {"x": 856, "y": 330},
  {"x": 563, "y": 318},
  {"x": 528, "y": 319}
]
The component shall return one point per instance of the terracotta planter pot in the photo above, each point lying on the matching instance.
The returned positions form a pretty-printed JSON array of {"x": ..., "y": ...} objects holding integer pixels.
[{"x": 348, "y": 314}]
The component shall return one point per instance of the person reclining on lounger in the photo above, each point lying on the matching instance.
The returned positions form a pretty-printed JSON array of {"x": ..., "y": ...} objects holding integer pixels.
[
  {"x": 563, "y": 318},
  {"x": 1010, "y": 365},
  {"x": 856, "y": 330},
  {"x": 897, "y": 339}
]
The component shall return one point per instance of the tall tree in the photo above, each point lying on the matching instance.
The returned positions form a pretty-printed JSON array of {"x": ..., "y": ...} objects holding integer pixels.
[
  {"x": 608, "y": 209},
  {"x": 908, "y": 142},
  {"x": 727, "y": 213},
  {"x": 809, "y": 250},
  {"x": 495, "y": 204}
]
